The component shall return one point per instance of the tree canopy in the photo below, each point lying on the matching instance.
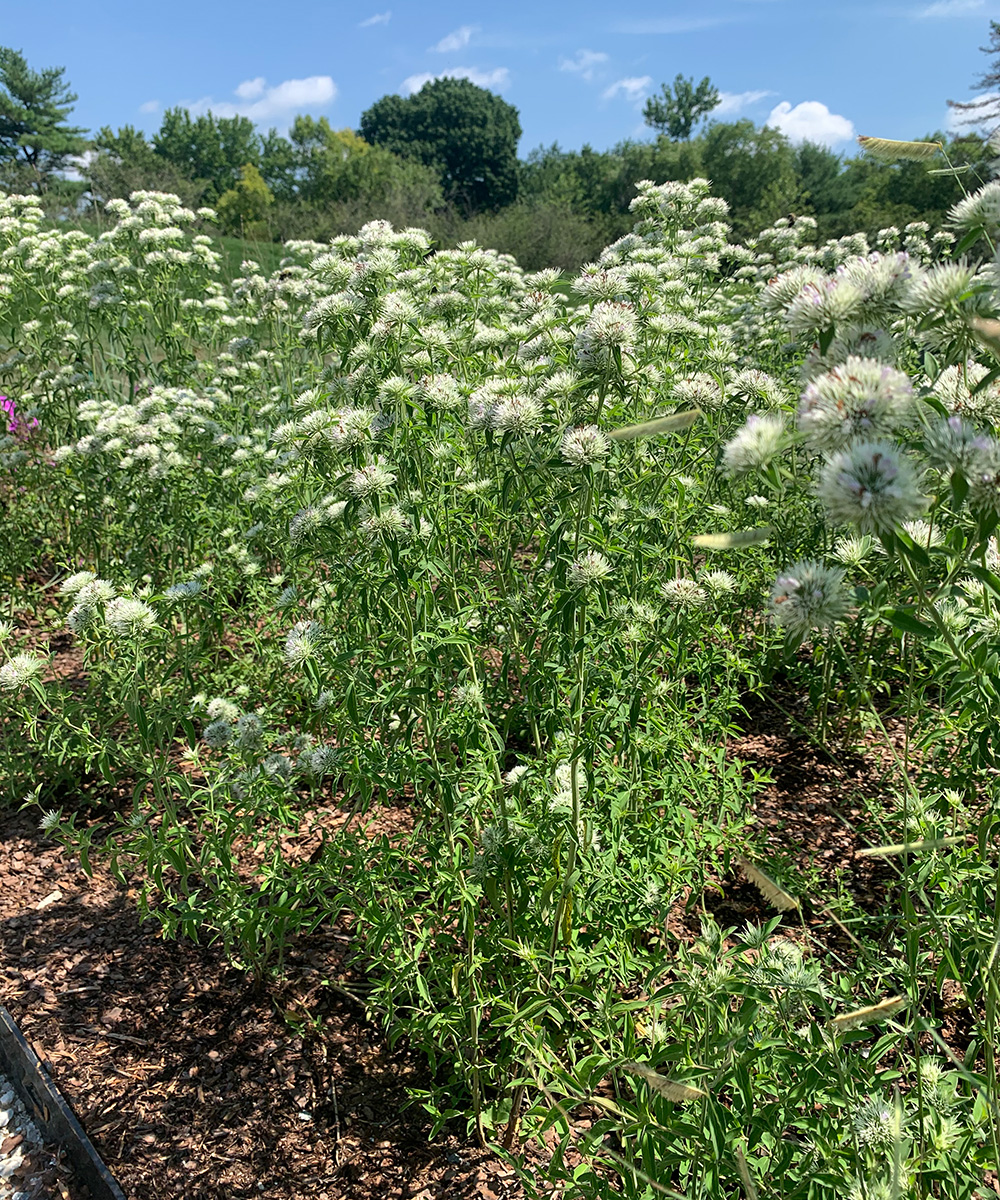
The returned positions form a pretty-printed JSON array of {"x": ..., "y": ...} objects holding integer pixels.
[
  {"x": 467, "y": 134},
  {"x": 677, "y": 109},
  {"x": 209, "y": 148},
  {"x": 36, "y": 139}
]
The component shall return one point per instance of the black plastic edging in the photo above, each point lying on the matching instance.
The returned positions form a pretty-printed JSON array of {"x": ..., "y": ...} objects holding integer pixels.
[{"x": 55, "y": 1119}]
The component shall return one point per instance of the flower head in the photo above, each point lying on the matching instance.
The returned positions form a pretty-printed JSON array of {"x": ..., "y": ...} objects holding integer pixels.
[
  {"x": 611, "y": 326},
  {"x": 221, "y": 709},
  {"x": 302, "y": 641},
  {"x": 753, "y": 445},
  {"x": 588, "y": 570},
  {"x": 683, "y": 593},
  {"x": 954, "y": 444},
  {"x": 128, "y": 618},
  {"x": 861, "y": 398},
  {"x": 808, "y": 596},
  {"x": 584, "y": 447},
  {"x": 872, "y": 485},
  {"x": 70, "y": 586},
  {"x": 19, "y": 671},
  {"x": 372, "y": 480}
]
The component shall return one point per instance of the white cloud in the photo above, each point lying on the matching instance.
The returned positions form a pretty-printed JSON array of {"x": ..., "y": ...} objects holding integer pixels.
[
  {"x": 78, "y": 163},
  {"x": 952, "y": 8},
  {"x": 498, "y": 78},
  {"x": 633, "y": 88},
  {"x": 810, "y": 121},
  {"x": 151, "y": 106},
  {"x": 734, "y": 102},
  {"x": 263, "y": 103},
  {"x": 252, "y": 89},
  {"x": 458, "y": 39},
  {"x": 376, "y": 19},
  {"x": 584, "y": 63}
]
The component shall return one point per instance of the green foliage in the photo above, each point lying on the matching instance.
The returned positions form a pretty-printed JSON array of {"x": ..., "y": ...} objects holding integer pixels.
[
  {"x": 35, "y": 139},
  {"x": 124, "y": 162},
  {"x": 754, "y": 169},
  {"x": 210, "y": 149},
  {"x": 465, "y": 133},
  {"x": 244, "y": 209},
  {"x": 397, "y": 588},
  {"x": 677, "y": 109}
]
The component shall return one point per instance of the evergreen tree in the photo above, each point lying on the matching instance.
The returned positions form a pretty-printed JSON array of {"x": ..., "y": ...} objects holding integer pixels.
[
  {"x": 36, "y": 140},
  {"x": 985, "y": 110}
]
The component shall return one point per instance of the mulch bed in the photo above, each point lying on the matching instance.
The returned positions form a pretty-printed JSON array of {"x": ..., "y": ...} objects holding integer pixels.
[
  {"x": 188, "y": 1081},
  {"x": 192, "y": 1084}
]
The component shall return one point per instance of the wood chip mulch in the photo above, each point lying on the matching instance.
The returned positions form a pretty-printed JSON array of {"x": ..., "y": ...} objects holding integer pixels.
[
  {"x": 192, "y": 1084},
  {"x": 189, "y": 1082}
]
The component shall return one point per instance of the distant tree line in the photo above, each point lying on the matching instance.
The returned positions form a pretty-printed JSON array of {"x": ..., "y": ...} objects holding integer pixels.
[{"x": 446, "y": 158}]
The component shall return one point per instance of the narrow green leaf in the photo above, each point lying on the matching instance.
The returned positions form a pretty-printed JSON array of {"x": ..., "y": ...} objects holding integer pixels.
[
  {"x": 970, "y": 239},
  {"x": 986, "y": 380},
  {"x": 678, "y": 1092},
  {"x": 658, "y": 425},
  {"x": 891, "y": 150}
]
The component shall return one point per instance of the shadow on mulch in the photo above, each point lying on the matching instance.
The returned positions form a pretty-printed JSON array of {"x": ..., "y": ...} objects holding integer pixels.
[
  {"x": 193, "y": 1085},
  {"x": 189, "y": 1082}
]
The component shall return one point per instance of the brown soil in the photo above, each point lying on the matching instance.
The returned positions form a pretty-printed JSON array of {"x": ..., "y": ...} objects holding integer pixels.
[{"x": 192, "y": 1084}]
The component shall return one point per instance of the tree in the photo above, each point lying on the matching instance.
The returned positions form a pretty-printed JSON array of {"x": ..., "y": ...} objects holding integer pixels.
[
  {"x": 987, "y": 108},
  {"x": 124, "y": 162},
  {"x": 467, "y": 134},
  {"x": 243, "y": 209},
  {"x": 754, "y": 169},
  {"x": 209, "y": 148},
  {"x": 677, "y": 110},
  {"x": 35, "y": 139}
]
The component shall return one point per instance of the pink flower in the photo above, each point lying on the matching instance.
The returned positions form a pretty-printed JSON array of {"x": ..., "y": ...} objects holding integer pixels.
[{"x": 16, "y": 425}]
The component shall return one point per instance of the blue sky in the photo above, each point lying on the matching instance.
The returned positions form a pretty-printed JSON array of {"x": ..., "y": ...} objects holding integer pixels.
[{"x": 578, "y": 72}]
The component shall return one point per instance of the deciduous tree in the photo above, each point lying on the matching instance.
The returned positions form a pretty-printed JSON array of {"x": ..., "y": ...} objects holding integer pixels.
[
  {"x": 467, "y": 134},
  {"x": 679, "y": 108}
]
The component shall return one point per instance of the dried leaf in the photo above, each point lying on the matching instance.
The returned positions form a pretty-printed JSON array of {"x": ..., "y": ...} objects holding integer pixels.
[
  {"x": 678, "y": 1092},
  {"x": 744, "y": 1170},
  {"x": 907, "y": 847},
  {"x": 658, "y": 425},
  {"x": 889, "y": 150},
  {"x": 772, "y": 892},
  {"x": 869, "y": 1015},
  {"x": 987, "y": 331}
]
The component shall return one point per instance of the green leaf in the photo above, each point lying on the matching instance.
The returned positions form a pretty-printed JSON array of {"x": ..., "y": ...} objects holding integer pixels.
[
  {"x": 970, "y": 239},
  {"x": 959, "y": 487},
  {"x": 905, "y": 622},
  {"x": 986, "y": 380},
  {"x": 647, "y": 429}
]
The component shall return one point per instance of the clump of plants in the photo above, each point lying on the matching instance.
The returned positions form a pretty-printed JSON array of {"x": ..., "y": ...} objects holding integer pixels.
[{"x": 415, "y": 532}]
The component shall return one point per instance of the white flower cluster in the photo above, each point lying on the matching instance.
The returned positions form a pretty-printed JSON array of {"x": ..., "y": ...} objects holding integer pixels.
[{"x": 156, "y": 433}]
